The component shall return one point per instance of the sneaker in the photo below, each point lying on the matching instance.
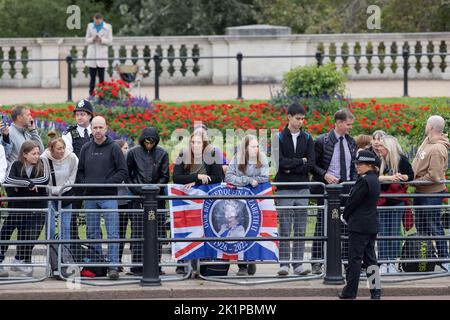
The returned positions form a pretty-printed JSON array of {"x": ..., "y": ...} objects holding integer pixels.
[
  {"x": 27, "y": 271},
  {"x": 391, "y": 268},
  {"x": 283, "y": 271},
  {"x": 113, "y": 274},
  {"x": 3, "y": 273},
  {"x": 301, "y": 271},
  {"x": 316, "y": 268},
  {"x": 180, "y": 270},
  {"x": 243, "y": 271},
  {"x": 383, "y": 268},
  {"x": 251, "y": 269}
]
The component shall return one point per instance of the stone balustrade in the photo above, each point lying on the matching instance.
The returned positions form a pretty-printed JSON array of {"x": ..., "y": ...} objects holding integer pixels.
[{"x": 360, "y": 56}]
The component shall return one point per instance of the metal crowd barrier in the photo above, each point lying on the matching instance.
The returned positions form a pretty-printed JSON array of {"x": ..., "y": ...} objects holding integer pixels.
[{"x": 150, "y": 237}]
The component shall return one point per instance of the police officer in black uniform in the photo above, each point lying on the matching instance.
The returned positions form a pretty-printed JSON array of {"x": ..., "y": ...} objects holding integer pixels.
[
  {"x": 361, "y": 215},
  {"x": 75, "y": 137}
]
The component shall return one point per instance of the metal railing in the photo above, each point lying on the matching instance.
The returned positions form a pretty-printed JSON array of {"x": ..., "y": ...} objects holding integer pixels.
[
  {"x": 149, "y": 198},
  {"x": 240, "y": 60}
]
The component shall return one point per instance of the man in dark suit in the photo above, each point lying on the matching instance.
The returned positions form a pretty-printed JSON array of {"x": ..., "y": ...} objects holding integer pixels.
[
  {"x": 335, "y": 152},
  {"x": 361, "y": 215}
]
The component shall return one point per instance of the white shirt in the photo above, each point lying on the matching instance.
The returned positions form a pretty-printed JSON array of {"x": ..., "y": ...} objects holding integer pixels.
[
  {"x": 294, "y": 139},
  {"x": 68, "y": 136}
]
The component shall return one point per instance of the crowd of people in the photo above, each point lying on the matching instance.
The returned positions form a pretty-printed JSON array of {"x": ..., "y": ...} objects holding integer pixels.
[{"x": 86, "y": 155}]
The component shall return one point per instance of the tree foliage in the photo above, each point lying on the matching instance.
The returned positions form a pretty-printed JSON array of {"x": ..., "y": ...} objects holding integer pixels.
[{"x": 47, "y": 18}]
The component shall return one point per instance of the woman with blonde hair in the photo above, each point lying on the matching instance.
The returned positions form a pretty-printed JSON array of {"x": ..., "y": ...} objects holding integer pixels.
[
  {"x": 248, "y": 168},
  {"x": 395, "y": 168},
  {"x": 63, "y": 171}
]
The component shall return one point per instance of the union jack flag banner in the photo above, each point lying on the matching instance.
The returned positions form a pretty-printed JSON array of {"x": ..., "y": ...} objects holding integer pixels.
[{"x": 221, "y": 218}]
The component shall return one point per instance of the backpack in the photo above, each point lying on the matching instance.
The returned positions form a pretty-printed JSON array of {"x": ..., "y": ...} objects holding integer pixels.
[
  {"x": 66, "y": 258},
  {"x": 88, "y": 254},
  {"x": 418, "y": 249},
  {"x": 211, "y": 270}
]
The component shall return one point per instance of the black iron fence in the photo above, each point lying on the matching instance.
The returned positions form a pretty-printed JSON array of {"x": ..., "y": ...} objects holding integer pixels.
[{"x": 240, "y": 61}]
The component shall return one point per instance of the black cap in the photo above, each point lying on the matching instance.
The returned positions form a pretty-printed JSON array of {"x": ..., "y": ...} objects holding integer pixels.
[
  {"x": 84, "y": 105},
  {"x": 368, "y": 157}
]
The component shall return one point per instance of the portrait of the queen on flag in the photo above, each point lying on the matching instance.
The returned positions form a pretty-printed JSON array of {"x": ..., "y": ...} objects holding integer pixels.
[{"x": 223, "y": 218}]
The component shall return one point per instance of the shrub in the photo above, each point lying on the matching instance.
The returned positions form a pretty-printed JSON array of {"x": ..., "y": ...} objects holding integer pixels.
[{"x": 314, "y": 81}]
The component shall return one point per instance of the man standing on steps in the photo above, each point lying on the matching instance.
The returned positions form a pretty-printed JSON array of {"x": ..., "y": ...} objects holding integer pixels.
[
  {"x": 102, "y": 162},
  {"x": 335, "y": 152},
  {"x": 75, "y": 138}
]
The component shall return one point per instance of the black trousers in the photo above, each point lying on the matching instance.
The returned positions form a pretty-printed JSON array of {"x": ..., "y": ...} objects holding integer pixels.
[
  {"x": 29, "y": 227},
  {"x": 93, "y": 74},
  {"x": 76, "y": 205},
  {"x": 317, "y": 246},
  {"x": 361, "y": 248}
]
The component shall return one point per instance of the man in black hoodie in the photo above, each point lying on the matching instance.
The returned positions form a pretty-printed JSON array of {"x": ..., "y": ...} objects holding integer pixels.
[
  {"x": 296, "y": 159},
  {"x": 147, "y": 163},
  {"x": 102, "y": 162}
]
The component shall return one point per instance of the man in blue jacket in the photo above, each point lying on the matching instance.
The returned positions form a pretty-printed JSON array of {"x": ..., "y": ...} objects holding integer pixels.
[{"x": 102, "y": 162}]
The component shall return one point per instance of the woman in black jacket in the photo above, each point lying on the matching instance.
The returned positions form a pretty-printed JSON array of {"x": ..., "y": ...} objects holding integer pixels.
[
  {"x": 361, "y": 215},
  {"x": 29, "y": 171},
  {"x": 196, "y": 166},
  {"x": 394, "y": 168}
]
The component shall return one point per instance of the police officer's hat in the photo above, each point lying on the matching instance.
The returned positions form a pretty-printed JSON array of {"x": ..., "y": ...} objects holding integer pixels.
[
  {"x": 367, "y": 157},
  {"x": 84, "y": 105}
]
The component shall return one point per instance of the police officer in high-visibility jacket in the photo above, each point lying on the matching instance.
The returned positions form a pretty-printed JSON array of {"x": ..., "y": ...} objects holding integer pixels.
[{"x": 361, "y": 215}]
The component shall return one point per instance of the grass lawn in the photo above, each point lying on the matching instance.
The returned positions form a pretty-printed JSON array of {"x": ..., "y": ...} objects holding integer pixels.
[{"x": 414, "y": 102}]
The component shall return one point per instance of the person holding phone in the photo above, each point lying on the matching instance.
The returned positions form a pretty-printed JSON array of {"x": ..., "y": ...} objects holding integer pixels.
[
  {"x": 99, "y": 36},
  {"x": 22, "y": 129}
]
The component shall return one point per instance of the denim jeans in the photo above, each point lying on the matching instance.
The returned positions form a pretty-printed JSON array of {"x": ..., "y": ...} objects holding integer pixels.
[
  {"x": 295, "y": 219},
  {"x": 111, "y": 218},
  {"x": 63, "y": 222},
  {"x": 390, "y": 225},
  {"x": 428, "y": 222}
]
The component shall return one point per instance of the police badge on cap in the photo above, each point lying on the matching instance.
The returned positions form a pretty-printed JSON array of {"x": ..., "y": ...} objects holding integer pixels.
[
  {"x": 84, "y": 105},
  {"x": 368, "y": 157}
]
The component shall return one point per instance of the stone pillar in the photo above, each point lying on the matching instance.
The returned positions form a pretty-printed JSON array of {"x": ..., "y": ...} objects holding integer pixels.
[{"x": 50, "y": 69}]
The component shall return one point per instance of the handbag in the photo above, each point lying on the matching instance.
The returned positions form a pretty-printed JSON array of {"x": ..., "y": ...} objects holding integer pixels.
[
  {"x": 394, "y": 188},
  {"x": 408, "y": 219},
  {"x": 68, "y": 193}
]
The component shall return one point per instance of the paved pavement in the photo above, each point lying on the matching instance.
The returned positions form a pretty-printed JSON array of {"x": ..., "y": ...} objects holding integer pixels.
[
  {"x": 355, "y": 89},
  {"x": 292, "y": 287}
]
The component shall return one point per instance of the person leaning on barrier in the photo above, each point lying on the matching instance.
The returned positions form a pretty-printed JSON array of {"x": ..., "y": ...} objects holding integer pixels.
[
  {"x": 203, "y": 129},
  {"x": 335, "y": 152},
  {"x": 394, "y": 168},
  {"x": 430, "y": 164},
  {"x": 75, "y": 137},
  {"x": 63, "y": 168},
  {"x": 295, "y": 161},
  {"x": 28, "y": 172},
  {"x": 376, "y": 140},
  {"x": 99, "y": 36},
  {"x": 248, "y": 168},
  {"x": 361, "y": 215},
  {"x": 196, "y": 166},
  {"x": 102, "y": 162},
  {"x": 147, "y": 163}
]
